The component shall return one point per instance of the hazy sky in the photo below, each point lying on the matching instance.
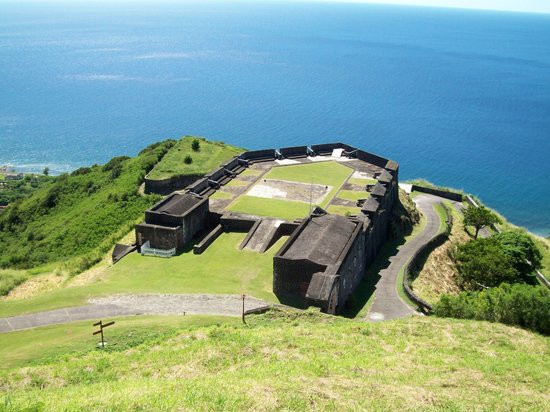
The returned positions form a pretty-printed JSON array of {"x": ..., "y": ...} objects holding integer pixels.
[{"x": 537, "y": 6}]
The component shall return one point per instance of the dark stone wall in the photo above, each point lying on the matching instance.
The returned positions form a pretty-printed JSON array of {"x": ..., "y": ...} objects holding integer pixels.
[
  {"x": 167, "y": 186},
  {"x": 441, "y": 193},
  {"x": 160, "y": 237},
  {"x": 294, "y": 151},
  {"x": 352, "y": 268},
  {"x": 258, "y": 154},
  {"x": 199, "y": 185},
  {"x": 195, "y": 221},
  {"x": 327, "y": 148},
  {"x": 208, "y": 240},
  {"x": 291, "y": 277},
  {"x": 371, "y": 158},
  {"x": 235, "y": 224}
]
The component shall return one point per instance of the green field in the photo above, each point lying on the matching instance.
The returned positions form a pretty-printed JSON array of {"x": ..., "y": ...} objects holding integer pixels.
[
  {"x": 219, "y": 194},
  {"x": 361, "y": 181},
  {"x": 331, "y": 174},
  {"x": 352, "y": 195},
  {"x": 208, "y": 158},
  {"x": 222, "y": 268},
  {"x": 284, "y": 361},
  {"x": 343, "y": 210}
]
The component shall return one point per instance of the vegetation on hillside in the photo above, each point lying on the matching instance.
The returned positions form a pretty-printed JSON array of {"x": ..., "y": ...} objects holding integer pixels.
[
  {"x": 479, "y": 217},
  {"x": 13, "y": 190},
  {"x": 193, "y": 156},
  {"x": 519, "y": 304},
  {"x": 295, "y": 361},
  {"x": 78, "y": 217}
]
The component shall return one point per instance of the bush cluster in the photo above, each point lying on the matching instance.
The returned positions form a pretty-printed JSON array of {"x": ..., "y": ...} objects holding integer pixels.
[{"x": 520, "y": 304}]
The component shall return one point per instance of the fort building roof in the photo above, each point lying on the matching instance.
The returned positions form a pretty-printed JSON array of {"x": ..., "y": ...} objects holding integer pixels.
[
  {"x": 177, "y": 204},
  {"x": 385, "y": 177},
  {"x": 322, "y": 239},
  {"x": 379, "y": 190},
  {"x": 370, "y": 206}
]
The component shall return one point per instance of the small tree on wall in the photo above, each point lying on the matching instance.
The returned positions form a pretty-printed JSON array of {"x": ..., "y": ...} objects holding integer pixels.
[
  {"x": 196, "y": 145},
  {"x": 479, "y": 217}
]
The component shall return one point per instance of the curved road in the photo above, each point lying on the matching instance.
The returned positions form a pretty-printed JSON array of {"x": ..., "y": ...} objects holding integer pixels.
[
  {"x": 387, "y": 302},
  {"x": 128, "y": 305}
]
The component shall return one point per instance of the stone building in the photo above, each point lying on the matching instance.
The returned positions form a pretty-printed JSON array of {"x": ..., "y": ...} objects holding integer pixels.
[
  {"x": 321, "y": 262},
  {"x": 173, "y": 222}
]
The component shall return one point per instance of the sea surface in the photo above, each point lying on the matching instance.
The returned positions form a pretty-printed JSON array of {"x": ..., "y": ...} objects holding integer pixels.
[{"x": 461, "y": 98}]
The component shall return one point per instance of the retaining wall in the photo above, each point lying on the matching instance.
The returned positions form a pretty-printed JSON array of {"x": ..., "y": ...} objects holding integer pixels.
[
  {"x": 208, "y": 240},
  {"x": 458, "y": 197},
  {"x": 167, "y": 186}
]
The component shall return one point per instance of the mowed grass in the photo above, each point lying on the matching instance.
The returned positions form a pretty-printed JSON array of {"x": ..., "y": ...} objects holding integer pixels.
[
  {"x": 361, "y": 181},
  {"x": 343, "y": 210},
  {"x": 331, "y": 174},
  {"x": 32, "y": 346},
  {"x": 259, "y": 206},
  {"x": 222, "y": 268},
  {"x": 208, "y": 158},
  {"x": 219, "y": 194},
  {"x": 300, "y": 361},
  {"x": 352, "y": 195}
]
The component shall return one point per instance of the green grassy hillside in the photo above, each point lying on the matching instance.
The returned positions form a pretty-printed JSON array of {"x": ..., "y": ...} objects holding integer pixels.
[
  {"x": 79, "y": 216},
  {"x": 209, "y": 156},
  {"x": 289, "y": 361}
]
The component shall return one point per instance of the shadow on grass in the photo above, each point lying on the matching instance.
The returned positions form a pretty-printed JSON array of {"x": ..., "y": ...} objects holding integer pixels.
[{"x": 363, "y": 295}]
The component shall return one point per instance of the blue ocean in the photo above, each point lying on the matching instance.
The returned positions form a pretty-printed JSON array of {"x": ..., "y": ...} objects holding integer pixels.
[{"x": 461, "y": 98}]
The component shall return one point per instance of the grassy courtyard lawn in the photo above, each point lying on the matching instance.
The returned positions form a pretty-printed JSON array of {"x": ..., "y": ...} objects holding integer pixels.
[
  {"x": 352, "y": 195},
  {"x": 32, "y": 346},
  {"x": 343, "y": 210},
  {"x": 250, "y": 172},
  {"x": 259, "y": 206},
  {"x": 221, "y": 195},
  {"x": 209, "y": 157},
  {"x": 361, "y": 181},
  {"x": 222, "y": 268},
  {"x": 236, "y": 183}
]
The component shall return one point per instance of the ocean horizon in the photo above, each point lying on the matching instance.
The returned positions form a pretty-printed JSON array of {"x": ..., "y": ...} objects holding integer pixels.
[{"x": 458, "y": 97}]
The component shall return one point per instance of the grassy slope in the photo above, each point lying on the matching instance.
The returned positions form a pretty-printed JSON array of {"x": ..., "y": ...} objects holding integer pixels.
[
  {"x": 80, "y": 215},
  {"x": 208, "y": 158},
  {"x": 290, "y": 361},
  {"x": 222, "y": 268},
  {"x": 324, "y": 173}
]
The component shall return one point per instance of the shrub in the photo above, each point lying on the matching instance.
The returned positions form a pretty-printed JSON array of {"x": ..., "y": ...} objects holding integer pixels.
[
  {"x": 482, "y": 262},
  {"x": 195, "y": 145},
  {"x": 479, "y": 217},
  {"x": 188, "y": 160},
  {"x": 522, "y": 305},
  {"x": 520, "y": 248}
]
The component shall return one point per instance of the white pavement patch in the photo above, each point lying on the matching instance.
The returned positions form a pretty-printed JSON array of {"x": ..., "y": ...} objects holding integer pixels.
[
  {"x": 406, "y": 187},
  {"x": 179, "y": 304},
  {"x": 361, "y": 175},
  {"x": 285, "y": 162},
  {"x": 376, "y": 316},
  {"x": 268, "y": 192},
  {"x": 328, "y": 159},
  {"x": 337, "y": 152}
]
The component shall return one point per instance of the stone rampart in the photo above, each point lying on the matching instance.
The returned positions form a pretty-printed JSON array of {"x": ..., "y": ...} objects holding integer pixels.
[{"x": 296, "y": 151}]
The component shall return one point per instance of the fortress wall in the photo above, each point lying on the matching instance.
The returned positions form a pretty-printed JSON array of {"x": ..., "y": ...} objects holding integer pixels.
[
  {"x": 458, "y": 197},
  {"x": 236, "y": 224},
  {"x": 284, "y": 229},
  {"x": 160, "y": 237},
  {"x": 295, "y": 151},
  {"x": 267, "y": 154},
  {"x": 216, "y": 175},
  {"x": 199, "y": 185},
  {"x": 195, "y": 221},
  {"x": 351, "y": 270},
  {"x": 371, "y": 158},
  {"x": 208, "y": 240},
  {"x": 292, "y": 277},
  {"x": 167, "y": 186},
  {"x": 327, "y": 148},
  {"x": 231, "y": 164}
]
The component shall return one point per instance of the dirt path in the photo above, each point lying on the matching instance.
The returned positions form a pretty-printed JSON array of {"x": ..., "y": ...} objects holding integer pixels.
[
  {"x": 387, "y": 302},
  {"x": 127, "y": 305}
]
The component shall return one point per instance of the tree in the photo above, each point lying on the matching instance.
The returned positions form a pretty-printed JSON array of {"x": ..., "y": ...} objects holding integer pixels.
[
  {"x": 195, "y": 145},
  {"x": 188, "y": 160},
  {"x": 479, "y": 217},
  {"x": 46, "y": 171},
  {"x": 483, "y": 263},
  {"x": 521, "y": 250}
]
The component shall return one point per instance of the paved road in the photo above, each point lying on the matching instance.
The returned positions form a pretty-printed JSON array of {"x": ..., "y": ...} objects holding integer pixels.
[
  {"x": 127, "y": 305},
  {"x": 387, "y": 302}
]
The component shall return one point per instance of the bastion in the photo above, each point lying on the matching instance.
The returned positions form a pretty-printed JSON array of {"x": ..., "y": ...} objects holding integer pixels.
[{"x": 332, "y": 202}]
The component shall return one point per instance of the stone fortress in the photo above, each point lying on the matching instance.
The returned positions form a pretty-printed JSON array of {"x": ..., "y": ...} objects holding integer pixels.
[{"x": 325, "y": 256}]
